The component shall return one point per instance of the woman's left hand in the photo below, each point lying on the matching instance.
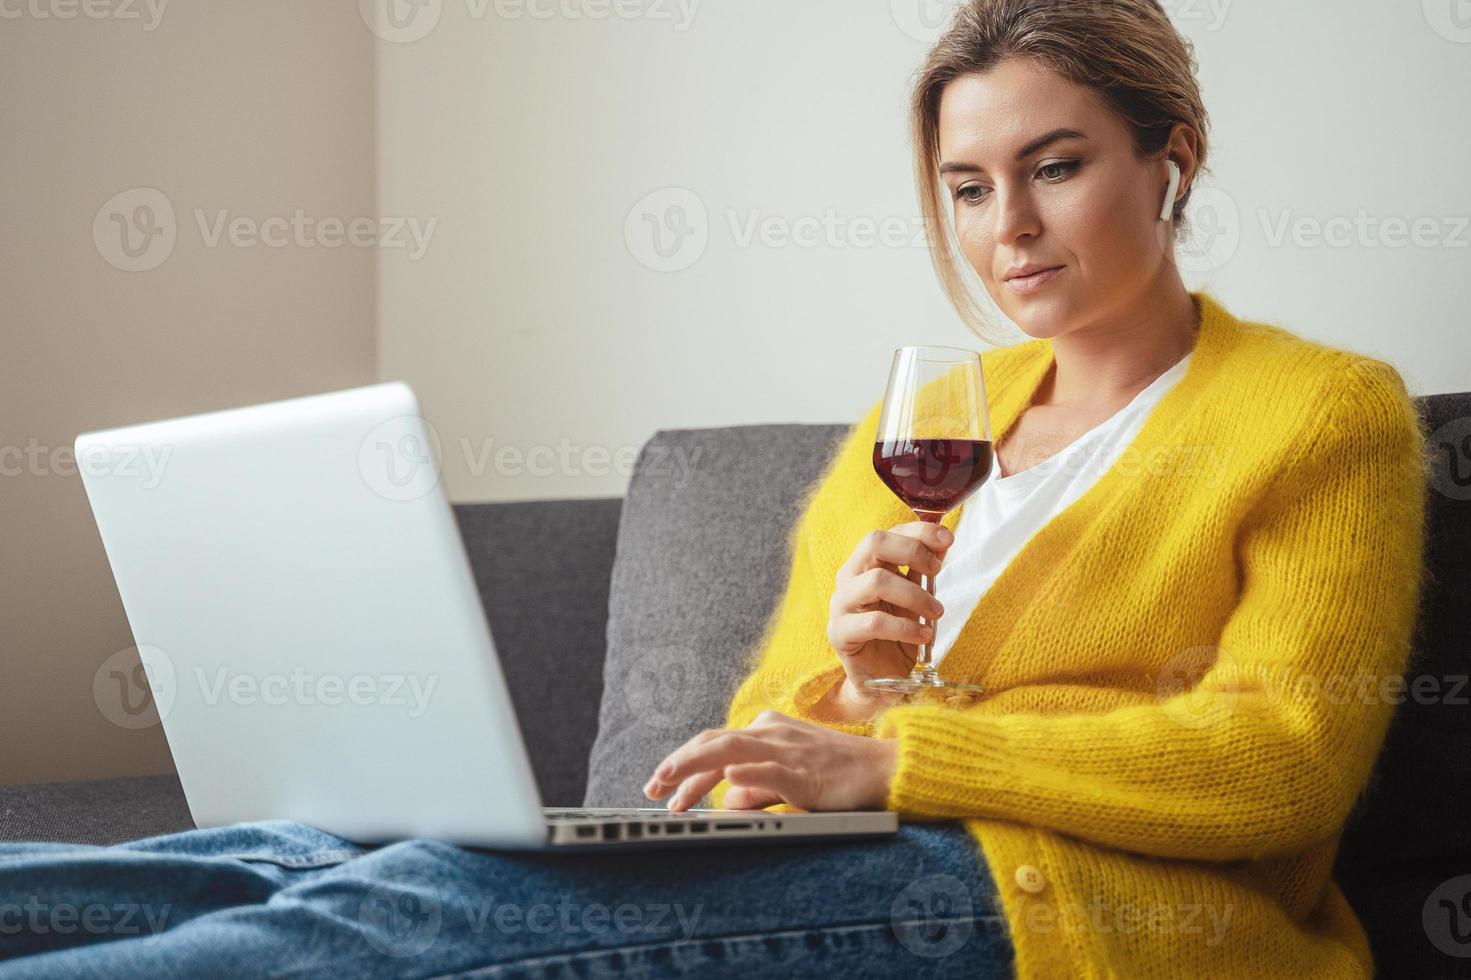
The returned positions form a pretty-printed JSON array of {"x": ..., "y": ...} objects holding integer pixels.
[{"x": 779, "y": 759}]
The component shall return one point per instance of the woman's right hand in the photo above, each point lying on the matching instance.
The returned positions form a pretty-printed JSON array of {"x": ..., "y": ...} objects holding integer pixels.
[{"x": 873, "y": 619}]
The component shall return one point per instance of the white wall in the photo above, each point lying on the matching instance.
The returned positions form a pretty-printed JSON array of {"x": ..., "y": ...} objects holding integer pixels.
[{"x": 536, "y": 321}]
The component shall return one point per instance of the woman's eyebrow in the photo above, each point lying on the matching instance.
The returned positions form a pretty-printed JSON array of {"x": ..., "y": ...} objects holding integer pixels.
[{"x": 1046, "y": 139}]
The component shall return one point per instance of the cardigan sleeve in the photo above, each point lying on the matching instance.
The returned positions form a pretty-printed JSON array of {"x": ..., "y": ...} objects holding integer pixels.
[{"x": 1268, "y": 750}]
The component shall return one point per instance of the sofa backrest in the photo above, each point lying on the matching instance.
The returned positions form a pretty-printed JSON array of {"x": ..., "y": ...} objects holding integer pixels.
[
  {"x": 702, "y": 559},
  {"x": 543, "y": 568}
]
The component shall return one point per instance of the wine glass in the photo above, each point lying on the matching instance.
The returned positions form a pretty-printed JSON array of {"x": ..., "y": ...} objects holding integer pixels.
[{"x": 933, "y": 449}]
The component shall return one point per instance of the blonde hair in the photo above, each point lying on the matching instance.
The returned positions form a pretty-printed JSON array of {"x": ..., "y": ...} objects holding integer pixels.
[{"x": 1127, "y": 51}]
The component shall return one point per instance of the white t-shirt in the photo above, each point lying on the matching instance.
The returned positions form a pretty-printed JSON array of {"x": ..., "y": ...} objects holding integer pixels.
[{"x": 1002, "y": 515}]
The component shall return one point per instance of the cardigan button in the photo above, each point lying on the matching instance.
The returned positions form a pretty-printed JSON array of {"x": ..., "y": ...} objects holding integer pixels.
[{"x": 1029, "y": 879}]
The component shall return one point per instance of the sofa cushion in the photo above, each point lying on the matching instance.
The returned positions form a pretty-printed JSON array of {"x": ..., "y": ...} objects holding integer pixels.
[{"x": 702, "y": 558}]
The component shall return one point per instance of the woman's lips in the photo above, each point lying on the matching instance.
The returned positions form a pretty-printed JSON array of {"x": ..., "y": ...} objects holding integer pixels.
[{"x": 1027, "y": 284}]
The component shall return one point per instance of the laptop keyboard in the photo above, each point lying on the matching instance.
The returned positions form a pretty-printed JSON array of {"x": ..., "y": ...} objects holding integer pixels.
[{"x": 611, "y": 814}]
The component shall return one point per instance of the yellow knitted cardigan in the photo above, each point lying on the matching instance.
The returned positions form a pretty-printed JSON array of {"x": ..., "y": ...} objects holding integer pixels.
[{"x": 1189, "y": 671}]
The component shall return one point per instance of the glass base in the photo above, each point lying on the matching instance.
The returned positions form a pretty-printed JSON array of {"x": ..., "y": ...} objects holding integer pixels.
[{"x": 928, "y": 687}]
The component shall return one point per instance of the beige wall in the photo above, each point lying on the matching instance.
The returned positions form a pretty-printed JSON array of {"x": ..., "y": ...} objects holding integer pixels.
[{"x": 255, "y": 108}]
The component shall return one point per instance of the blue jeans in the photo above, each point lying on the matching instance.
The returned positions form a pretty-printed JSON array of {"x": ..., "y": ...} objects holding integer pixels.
[{"x": 281, "y": 899}]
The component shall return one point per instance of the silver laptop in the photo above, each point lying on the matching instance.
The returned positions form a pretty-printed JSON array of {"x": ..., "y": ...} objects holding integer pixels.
[{"x": 315, "y": 644}]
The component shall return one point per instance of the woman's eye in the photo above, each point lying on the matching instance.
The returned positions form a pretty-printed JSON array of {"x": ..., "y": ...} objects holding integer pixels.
[
  {"x": 970, "y": 193},
  {"x": 1064, "y": 166}
]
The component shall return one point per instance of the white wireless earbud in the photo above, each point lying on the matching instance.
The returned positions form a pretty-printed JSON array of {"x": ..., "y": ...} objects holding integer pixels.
[{"x": 1164, "y": 213}]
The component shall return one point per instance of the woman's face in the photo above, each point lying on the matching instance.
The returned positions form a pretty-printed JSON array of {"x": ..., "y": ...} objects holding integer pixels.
[{"x": 1084, "y": 203}]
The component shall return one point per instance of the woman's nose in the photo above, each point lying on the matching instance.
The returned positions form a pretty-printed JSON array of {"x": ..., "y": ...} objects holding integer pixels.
[{"x": 1016, "y": 215}]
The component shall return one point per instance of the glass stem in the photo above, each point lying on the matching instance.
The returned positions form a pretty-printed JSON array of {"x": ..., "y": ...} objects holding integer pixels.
[
  {"x": 923, "y": 665},
  {"x": 924, "y": 668}
]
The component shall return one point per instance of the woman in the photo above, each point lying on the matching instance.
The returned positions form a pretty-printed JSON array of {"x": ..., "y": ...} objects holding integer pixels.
[{"x": 1200, "y": 528}]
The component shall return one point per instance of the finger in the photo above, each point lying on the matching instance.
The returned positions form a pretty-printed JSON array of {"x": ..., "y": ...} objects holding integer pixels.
[
  {"x": 693, "y": 789},
  {"x": 731, "y": 745},
  {"x": 764, "y": 780},
  {"x": 749, "y": 798},
  {"x": 880, "y": 547},
  {"x": 854, "y": 631},
  {"x": 692, "y": 741},
  {"x": 935, "y": 537},
  {"x": 877, "y": 586}
]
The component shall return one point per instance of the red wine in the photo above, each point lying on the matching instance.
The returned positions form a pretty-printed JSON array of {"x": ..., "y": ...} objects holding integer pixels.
[{"x": 933, "y": 476}]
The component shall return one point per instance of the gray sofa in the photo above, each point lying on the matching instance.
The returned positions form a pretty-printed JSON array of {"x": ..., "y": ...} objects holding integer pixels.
[{"x": 700, "y": 553}]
